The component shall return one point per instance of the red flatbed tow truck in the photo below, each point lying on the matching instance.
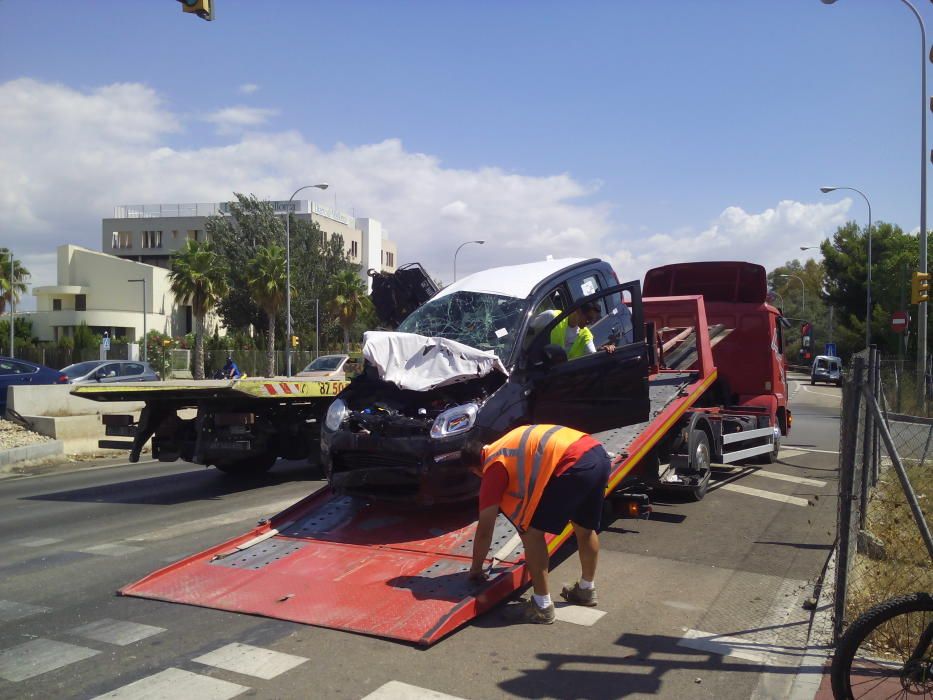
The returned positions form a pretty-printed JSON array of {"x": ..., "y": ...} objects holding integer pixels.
[{"x": 381, "y": 569}]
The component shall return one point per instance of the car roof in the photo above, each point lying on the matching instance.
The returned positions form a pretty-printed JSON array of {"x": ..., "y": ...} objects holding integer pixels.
[{"x": 516, "y": 281}]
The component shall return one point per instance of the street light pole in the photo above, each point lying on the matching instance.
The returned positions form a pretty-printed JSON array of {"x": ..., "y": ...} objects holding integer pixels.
[
  {"x": 824, "y": 190},
  {"x": 458, "y": 251},
  {"x": 288, "y": 277},
  {"x": 145, "y": 351},
  {"x": 803, "y": 292},
  {"x": 922, "y": 307}
]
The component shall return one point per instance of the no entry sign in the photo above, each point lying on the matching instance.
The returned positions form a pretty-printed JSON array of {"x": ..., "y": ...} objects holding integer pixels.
[{"x": 899, "y": 321}]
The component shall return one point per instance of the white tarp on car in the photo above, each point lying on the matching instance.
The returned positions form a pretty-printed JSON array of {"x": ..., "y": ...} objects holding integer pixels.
[{"x": 419, "y": 363}]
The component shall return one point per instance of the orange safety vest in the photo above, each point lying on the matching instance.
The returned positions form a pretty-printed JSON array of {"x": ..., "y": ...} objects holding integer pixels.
[{"x": 530, "y": 454}]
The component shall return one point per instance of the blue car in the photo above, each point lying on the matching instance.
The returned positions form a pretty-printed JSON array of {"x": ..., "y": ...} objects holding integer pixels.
[{"x": 18, "y": 372}]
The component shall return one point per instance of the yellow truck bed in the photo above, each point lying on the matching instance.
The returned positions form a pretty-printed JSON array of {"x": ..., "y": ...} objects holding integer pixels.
[{"x": 277, "y": 388}]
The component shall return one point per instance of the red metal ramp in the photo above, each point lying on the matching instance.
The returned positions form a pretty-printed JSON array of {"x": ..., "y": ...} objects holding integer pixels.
[{"x": 346, "y": 564}]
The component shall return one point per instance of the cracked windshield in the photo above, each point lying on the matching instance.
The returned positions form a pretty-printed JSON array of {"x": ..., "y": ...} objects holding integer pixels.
[{"x": 482, "y": 321}]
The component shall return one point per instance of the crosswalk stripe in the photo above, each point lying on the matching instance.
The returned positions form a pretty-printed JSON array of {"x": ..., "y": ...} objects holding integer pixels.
[
  {"x": 176, "y": 683},
  {"x": 39, "y": 656},
  {"x": 578, "y": 615},
  {"x": 770, "y": 495},
  {"x": 396, "y": 690},
  {"x": 110, "y": 549},
  {"x": 739, "y": 648},
  {"x": 250, "y": 660},
  {"x": 118, "y": 632},
  {"x": 11, "y": 610},
  {"x": 36, "y": 541},
  {"x": 243, "y": 515}
]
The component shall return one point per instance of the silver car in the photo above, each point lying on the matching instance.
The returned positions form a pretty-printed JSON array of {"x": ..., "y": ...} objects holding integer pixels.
[{"x": 109, "y": 371}]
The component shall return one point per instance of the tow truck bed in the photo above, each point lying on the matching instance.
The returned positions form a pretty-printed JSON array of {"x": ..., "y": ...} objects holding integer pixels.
[{"x": 377, "y": 569}]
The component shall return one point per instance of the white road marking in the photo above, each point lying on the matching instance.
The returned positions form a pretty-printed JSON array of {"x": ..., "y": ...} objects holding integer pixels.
[
  {"x": 788, "y": 477},
  {"x": 577, "y": 614},
  {"x": 116, "y": 632},
  {"x": 111, "y": 549},
  {"x": 39, "y": 656},
  {"x": 175, "y": 683},
  {"x": 11, "y": 610},
  {"x": 250, "y": 660},
  {"x": 810, "y": 449},
  {"x": 736, "y": 647},
  {"x": 787, "y": 454},
  {"x": 247, "y": 516},
  {"x": 396, "y": 690},
  {"x": 820, "y": 393},
  {"x": 36, "y": 541},
  {"x": 770, "y": 495}
]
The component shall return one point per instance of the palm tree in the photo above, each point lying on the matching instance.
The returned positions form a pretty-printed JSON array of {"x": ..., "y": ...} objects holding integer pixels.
[
  {"x": 198, "y": 275},
  {"x": 11, "y": 290},
  {"x": 348, "y": 300},
  {"x": 266, "y": 280}
]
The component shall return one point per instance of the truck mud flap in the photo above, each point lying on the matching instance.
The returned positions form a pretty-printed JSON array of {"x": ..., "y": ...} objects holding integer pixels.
[{"x": 348, "y": 564}]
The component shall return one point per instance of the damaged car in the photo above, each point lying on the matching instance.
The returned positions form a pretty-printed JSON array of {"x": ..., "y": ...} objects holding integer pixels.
[{"x": 476, "y": 360}]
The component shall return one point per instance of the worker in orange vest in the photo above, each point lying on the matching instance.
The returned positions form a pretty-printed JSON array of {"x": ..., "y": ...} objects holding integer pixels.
[{"x": 541, "y": 477}]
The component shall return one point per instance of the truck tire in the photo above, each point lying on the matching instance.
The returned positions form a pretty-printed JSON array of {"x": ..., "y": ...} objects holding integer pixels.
[
  {"x": 700, "y": 461},
  {"x": 772, "y": 456},
  {"x": 249, "y": 466}
]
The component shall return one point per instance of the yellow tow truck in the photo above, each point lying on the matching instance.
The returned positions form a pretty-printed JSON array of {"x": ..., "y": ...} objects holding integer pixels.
[{"x": 239, "y": 426}]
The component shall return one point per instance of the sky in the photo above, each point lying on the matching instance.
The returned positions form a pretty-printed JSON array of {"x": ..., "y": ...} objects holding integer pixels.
[{"x": 644, "y": 133}]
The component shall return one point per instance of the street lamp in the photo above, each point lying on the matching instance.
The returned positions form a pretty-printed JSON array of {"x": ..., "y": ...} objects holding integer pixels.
[
  {"x": 778, "y": 295},
  {"x": 808, "y": 247},
  {"x": 145, "y": 352},
  {"x": 458, "y": 250},
  {"x": 824, "y": 190},
  {"x": 803, "y": 292},
  {"x": 922, "y": 307},
  {"x": 288, "y": 277}
]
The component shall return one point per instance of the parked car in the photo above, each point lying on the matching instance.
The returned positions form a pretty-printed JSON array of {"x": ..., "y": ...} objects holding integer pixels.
[
  {"x": 327, "y": 367},
  {"x": 111, "y": 371},
  {"x": 19, "y": 372},
  {"x": 826, "y": 368}
]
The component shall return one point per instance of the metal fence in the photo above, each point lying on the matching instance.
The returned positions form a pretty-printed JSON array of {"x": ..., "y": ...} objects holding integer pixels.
[{"x": 885, "y": 496}]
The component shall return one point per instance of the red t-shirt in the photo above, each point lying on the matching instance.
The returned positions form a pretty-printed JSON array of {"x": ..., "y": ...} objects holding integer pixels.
[{"x": 496, "y": 477}]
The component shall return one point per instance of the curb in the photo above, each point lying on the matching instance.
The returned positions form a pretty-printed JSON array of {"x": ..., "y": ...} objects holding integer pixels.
[
  {"x": 820, "y": 640},
  {"x": 27, "y": 453}
]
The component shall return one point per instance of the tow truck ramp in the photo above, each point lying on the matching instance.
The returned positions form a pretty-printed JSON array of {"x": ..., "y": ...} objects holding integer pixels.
[{"x": 378, "y": 569}]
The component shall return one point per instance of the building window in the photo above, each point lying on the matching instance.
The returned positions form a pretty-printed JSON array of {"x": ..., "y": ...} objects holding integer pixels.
[
  {"x": 152, "y": 239},
  {"x": 122, "y": 239},
  {"x": 354, "y": 249},
  {"x": 56, "y": 304},
  {"x": 193, "y": 234},
  {"x": 80, "y": 302},
  {"x": 390, "y": 259}
]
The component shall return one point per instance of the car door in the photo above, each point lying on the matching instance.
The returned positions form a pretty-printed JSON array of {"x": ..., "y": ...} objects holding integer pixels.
[
  {"x": 132, "y": 372},
  {"x": 108, "y": 373},
  {"x": 602, "y": 390}
]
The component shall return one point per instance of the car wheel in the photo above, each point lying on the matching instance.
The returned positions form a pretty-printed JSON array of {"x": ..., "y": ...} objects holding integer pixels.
[{"x": 700, "y": 462}]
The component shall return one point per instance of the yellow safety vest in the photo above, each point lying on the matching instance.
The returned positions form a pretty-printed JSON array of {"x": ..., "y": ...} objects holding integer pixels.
[
  {"x": 578, "y": 349},
  {"x": 530, "y": 454}
]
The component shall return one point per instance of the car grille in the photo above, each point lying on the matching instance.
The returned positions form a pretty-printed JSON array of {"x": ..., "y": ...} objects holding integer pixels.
[{"x": 352, "y": 460}]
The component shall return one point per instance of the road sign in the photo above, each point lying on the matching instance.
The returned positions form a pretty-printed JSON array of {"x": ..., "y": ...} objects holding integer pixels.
[
  {"x": 899, "y": 321},
  {"x": 830, "y": 349}
]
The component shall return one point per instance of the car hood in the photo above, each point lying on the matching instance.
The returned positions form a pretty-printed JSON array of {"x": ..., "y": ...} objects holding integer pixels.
[{"x": 419, "y": 363}]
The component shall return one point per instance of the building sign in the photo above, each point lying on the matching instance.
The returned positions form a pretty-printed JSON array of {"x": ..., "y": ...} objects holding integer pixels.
[{"x": 331, "y": 214}]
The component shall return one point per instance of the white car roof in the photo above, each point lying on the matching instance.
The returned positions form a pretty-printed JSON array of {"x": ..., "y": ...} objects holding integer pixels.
[{"x": 515, "y": 281}]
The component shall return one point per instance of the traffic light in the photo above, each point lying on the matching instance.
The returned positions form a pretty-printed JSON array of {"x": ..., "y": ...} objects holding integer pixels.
[
  {"x": 920, "y": 288},
  {"x": 202, "y": 8},
  {"x": 806, "y": 340},
  {"x": 294, "y": 341}
]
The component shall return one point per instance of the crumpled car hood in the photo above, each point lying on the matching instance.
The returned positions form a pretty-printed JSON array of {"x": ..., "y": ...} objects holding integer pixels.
[{"x": 418, "y": 363}]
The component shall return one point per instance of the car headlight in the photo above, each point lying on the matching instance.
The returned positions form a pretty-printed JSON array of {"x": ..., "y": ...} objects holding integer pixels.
[
  {"x": 454, "y": 420},
  {"x": 336, "y": 412}
]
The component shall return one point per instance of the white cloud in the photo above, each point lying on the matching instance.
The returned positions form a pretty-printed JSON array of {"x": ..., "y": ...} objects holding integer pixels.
[
  {"x": 232, "y": 119},
  {"x": 248, "y": 88},
  {"x": 68, "y": 157}
]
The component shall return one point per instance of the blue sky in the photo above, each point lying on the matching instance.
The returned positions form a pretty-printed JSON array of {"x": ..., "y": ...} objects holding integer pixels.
[{"x": 644, "y": 132}]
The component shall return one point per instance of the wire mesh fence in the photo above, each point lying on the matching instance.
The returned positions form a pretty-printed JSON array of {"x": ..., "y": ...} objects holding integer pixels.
[{"x": 886, "y": 495}]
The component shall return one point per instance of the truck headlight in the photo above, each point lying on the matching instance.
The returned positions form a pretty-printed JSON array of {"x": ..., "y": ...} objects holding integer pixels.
[
  {"x": 454, "y": 420},
  {"x": 336, "y": 412}
]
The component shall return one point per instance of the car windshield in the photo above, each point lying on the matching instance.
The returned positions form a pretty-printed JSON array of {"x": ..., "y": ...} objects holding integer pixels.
[
  {"x": 483, "y": 321},
  {"x": 79, "y": 369},
  {"x": 327, "y": 363}
]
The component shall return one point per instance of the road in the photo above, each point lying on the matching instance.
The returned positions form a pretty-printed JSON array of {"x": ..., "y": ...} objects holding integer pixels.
[{"x": 704, "y": 600}]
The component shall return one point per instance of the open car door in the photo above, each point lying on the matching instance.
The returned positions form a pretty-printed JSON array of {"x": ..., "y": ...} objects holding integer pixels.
[{"x": 602, "y": 390}]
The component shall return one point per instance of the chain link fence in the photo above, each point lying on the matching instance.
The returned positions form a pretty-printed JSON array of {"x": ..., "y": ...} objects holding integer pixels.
[{"x": 885, "y": 493}]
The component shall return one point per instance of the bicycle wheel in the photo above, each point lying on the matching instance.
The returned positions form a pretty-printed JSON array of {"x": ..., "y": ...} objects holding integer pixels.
[{"x": 887, "y": 652}]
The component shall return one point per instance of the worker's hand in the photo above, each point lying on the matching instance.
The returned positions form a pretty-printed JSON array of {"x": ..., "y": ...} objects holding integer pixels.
[
  {"x": 478, "y": 576},
  {"x": 608, "y": 347}
]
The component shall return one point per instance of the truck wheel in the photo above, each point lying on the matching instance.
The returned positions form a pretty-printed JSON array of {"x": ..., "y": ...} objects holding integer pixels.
[
  {"x": 700, "y": 463},
  {"x": 249, "y": 466},
  {"x": 772, "y": 456}
]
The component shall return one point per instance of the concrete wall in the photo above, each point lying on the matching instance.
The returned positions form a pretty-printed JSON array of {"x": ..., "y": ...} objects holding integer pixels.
[{"x": 55, "y": 400}]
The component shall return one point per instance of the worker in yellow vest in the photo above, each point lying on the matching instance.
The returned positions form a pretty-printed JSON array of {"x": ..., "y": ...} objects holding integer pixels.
[
  {"x": 541, "y": 477},
  {"x": 572, "y": 333}
]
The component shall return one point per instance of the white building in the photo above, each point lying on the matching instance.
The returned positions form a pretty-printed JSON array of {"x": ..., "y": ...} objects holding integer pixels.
[
  {"x": 150, "y": 233},
  {"x": 98, "y": 289}
]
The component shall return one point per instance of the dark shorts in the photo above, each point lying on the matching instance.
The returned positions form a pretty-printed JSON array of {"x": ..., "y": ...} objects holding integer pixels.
[{"x": 576, "y": 495}]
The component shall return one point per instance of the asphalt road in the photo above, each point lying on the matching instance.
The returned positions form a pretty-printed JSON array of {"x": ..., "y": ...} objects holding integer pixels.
[{"x": 704, "y": 600}]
